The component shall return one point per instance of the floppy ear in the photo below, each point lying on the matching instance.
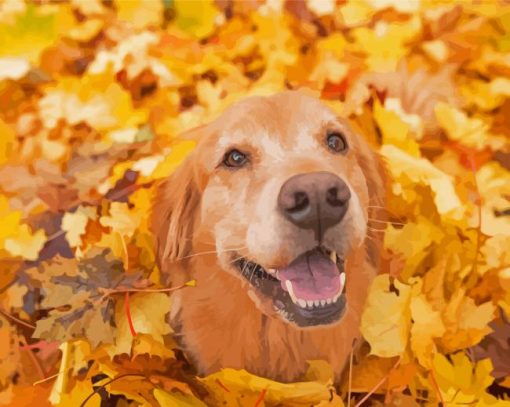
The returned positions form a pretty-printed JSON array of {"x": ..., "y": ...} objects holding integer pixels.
[{"x": 174, "y": 213}]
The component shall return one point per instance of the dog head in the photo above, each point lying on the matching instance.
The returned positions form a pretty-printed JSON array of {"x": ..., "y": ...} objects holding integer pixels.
[{"x": 281, "y": 187}]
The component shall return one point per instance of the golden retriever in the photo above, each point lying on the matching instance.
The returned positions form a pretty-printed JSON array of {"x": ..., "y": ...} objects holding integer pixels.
[{"x": 269, "y": 215}]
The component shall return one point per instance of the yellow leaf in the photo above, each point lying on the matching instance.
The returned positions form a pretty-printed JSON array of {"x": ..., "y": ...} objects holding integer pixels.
[
  {"x": 195, "y": 17},
  {"x": 146, "y": 344},
  {"x": 494, "y": 186},
  {"x": 437, "y": 50},
  {"x": 386, "y": 43},
  {"x": 93, "y": 99},
  {"x": 175, "y": 399},
  {"x": 427, "y": 325},
  {"x": 385, "y": 322},
  {"x": 329, "y": 70},
  {"x": 461, "y": 381},
  {"x": 141, "y": 13},
  {"x": 394, "y": 130},
  {"x": 241, "y": 383},
  {"x": 472, "y": 132},
  {"x": 25, "y": 243},
  {"x": 10, "y": 220},
  {"x": 74, "y": 224},
  {"x": 419, "y": 237},
  {"x": 176, "y": 156},
  {"x": 356, "y": 13},
  {"x": 320, "y": 371},
  {"x": 495, "y": 251},
  {"x": 122, "y": 219},
  {"x": 148, "y": 314},
  {"x": 466, "y": 323},
  {"x": 34, "y": 29},
  {"x": 419, "y": 170},
  {"x": 369, "y": 372},
  {"x": 333, "y": 44}
]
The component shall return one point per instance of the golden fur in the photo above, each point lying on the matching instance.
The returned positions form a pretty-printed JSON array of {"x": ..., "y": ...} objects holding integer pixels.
[{"x": 204, "y": 213}]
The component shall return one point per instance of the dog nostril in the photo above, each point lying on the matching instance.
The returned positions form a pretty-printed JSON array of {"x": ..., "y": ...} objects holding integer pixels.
[
  {"x": 301, "y": 202},
  {"x": 333, "y": 198}
]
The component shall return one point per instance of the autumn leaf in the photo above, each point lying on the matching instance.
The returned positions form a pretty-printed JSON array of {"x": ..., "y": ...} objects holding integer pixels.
[
  {"x": 240, "y": 383},
  {"x": 76, "y": 296},
  {"x": 386, "y": 320},
  {"x": 427, "y": 325},
  {"x": 147, "y": 313},
  {"x": 461, "y": 381}
]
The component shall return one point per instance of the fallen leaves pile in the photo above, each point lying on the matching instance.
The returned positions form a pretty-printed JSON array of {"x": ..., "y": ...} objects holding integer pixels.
[{"x": 93, "y": 97}]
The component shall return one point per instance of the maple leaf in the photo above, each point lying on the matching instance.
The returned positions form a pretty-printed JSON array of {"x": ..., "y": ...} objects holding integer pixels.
[
  {"x": 244, "y": 386},
  {"x": 462, "y": 381},
  {"x": 74, "y": 295},
  {"x": 496, "y": 346},
  {"x": 147, "y": 313},
  {"x": 427, "y": 325},
  {"x": 466, "y": 323},
  {"x": 386, "y": 321}
]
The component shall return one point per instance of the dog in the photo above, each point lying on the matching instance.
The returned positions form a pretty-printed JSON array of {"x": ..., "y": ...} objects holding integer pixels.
[{"x": 269, "y": 215}]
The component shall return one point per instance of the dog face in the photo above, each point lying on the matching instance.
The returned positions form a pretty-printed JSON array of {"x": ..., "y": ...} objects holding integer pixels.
[{"x": 281, "y": 186}]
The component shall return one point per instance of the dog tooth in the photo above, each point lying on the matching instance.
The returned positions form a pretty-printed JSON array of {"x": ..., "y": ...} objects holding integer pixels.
[
  {"x": 302, "y": 303},
  {"x": 332, "y": 256},
  {"x": 342, "y": 279},
  {"x": 271, "y": 271},
  {"x": 323, "y": 302},
  {"x": 290, "y": 289},
  {"x": 328, "y": 301},
  {"x": 309, "y": 303},
  {"x": 316, "y": 303}
]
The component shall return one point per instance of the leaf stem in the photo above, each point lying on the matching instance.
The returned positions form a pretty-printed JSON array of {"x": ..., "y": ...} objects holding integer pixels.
[
  {"x": 349, "y": 391},
  {"x": 35, "y": 360},
  {"x": 127, "y": 309},
  {"x": 379, "y": 384},
  {"x": 147, "y": 290},
  {"x": 261, "y": 398},
  {"x": 84, "y": 402},
  {"x": 436, "y": 386},
  {"x": 222, "y": 385},
  {"x": 17, "y": 320}
]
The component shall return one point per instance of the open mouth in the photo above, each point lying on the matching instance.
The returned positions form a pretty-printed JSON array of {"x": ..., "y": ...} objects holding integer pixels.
[{"x": 308, "y": 292}]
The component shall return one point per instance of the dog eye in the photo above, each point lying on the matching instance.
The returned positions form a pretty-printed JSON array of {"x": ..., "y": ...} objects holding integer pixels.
[
  {"x": 336, "y": 142},
  {"x": 235, "y": 158}
]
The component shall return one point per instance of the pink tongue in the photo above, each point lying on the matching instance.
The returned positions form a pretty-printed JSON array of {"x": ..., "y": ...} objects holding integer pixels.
[{"x": 313, "y": 276}]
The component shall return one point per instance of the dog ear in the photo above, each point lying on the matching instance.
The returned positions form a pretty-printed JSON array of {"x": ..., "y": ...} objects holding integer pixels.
[{"x": 174, "y": 213}]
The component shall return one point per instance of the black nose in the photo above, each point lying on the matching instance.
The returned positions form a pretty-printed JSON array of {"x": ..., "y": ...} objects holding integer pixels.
[{"x": 316, "y": 200}]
